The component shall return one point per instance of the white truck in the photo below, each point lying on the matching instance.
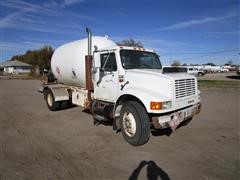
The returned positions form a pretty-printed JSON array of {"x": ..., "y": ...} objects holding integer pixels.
[
  {"x": 195, "y": 71},
  {"x": 124, "y": 85}
]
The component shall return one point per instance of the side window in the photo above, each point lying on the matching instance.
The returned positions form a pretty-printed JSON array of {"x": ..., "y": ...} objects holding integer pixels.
[{"x": 108, "y": 62}]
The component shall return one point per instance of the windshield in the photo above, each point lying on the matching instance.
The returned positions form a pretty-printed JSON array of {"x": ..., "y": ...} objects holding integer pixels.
[{"x": 132, "y": 59}]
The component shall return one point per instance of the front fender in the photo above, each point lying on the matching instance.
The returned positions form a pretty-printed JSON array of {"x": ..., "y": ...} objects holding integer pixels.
[{"x": 145, "y": 96}]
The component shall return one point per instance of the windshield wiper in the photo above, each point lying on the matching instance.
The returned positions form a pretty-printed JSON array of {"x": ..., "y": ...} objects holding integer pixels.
[{"x": 146, "y": 66}]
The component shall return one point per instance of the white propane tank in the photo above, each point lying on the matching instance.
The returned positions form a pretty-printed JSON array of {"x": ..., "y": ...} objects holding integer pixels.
[{"x": 68, "y": 61}]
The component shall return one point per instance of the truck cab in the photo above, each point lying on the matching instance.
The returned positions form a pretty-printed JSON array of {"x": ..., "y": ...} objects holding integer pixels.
[{"x": 131, "y": 80}]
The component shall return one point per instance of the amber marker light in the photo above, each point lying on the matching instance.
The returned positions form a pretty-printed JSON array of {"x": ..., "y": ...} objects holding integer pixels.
[{"x": 155, "y": 105}]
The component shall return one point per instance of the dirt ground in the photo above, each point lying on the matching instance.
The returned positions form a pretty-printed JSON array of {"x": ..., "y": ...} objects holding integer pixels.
[
  {"x": 227, "y": 76},
  {"x": 38, "y": 144}
]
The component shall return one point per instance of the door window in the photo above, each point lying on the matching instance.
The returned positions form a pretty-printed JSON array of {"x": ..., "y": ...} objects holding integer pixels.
[{"x": 108, "y": 62}]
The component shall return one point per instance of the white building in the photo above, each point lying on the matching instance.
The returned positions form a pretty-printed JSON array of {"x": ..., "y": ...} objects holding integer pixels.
[{"x": 15, "y": 67}]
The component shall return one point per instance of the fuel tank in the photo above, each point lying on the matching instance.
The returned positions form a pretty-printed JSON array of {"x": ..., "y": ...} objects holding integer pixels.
[{"x": 68, "y": 60}]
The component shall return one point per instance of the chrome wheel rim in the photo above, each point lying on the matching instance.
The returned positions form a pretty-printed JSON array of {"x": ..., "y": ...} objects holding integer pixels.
[
  {"x": 49, "y": 100},
  {"x": 129, "y": 124}
]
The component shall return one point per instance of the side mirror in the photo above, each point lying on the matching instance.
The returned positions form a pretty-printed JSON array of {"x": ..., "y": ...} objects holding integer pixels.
[
  {"x": 102, "y": 70},
  {"x": 94, "y": 70},
  {"x": 96, "y": 66},
  {"x": 96, "y": 74},
  {"x": 97, "y": 60}
]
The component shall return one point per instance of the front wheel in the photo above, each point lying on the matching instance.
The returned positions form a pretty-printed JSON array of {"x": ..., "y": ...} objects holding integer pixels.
[{"x": 134, "y": 122}]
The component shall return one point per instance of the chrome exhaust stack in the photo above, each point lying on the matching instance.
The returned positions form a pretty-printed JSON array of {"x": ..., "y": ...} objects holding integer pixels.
[
  {"x": 88, "y": 67},
  {"x": 89, "y": 32}
]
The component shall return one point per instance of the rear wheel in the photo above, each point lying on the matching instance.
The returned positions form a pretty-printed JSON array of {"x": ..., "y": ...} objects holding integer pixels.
[
  {"x": 134, "y": 122},
  {"x": 50, "y": 100}
]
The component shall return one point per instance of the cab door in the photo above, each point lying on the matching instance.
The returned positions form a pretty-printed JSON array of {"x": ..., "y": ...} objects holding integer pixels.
[{"x": 106, "y": 88}]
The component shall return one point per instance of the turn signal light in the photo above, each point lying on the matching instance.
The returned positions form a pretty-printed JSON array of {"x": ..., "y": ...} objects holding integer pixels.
[{"x": 155, "y": 105}]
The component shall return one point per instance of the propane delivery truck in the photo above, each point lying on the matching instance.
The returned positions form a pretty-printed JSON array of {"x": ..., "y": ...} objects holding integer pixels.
[{"x": 126, "y": 86}]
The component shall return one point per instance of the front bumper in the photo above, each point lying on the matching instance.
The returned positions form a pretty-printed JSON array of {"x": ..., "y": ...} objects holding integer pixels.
[{"x": 175, "y": 118}]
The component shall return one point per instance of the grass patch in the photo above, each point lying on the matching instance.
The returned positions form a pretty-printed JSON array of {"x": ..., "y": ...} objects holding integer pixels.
[{"x": 219, "y": 83}]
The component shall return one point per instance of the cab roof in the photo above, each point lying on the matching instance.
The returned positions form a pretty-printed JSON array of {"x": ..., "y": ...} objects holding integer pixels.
[{"x": 127, "y": 48}]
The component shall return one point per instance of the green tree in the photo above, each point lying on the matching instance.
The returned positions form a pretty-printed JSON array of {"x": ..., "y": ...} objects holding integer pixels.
[{"x": 40, "y": 58}]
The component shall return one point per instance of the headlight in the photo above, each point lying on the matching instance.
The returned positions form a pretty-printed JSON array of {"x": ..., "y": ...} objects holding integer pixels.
[
  {"x": 167, "y": 104},
  {"x": 160, "y": 105}
]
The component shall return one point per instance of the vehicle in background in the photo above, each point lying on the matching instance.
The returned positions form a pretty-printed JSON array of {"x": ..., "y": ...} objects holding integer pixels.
[
  {"x": 195, "y": 71},
  {"x": 211, "y": 69},
  {"x": 238, "y": 70},
  {"x": 223, "y": 70},
  {"x": 233, "y": 68}
]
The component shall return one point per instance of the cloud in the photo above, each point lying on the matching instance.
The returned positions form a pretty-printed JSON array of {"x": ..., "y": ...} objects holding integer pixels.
[
  {"x": 13, "y": 21},
  {"x": 162, "y": 42},
  {"x": 62, "y": 4},
  {"x": 23, "y": 6},
  {"x": 17, "y": 47},
  {"x": 223, "y": 32},
  {"x": 70, "y": 2},
  {"x": 46, "y": 17},
  {"x": 55, "y": 28},
  {"x": 49, "y": 41},
  {"x": 195, "y": 22},
  {"x": 21, "y": 10},
  {"x": 10, "y": 48}
]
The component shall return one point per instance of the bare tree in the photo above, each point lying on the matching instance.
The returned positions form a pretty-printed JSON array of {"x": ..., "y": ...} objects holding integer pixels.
[
  {"x": 176, "y": 63},
  {"x": 130, "y": 42},
  {"x": 229, "y": 63},
  {"x": 211, "y": 64}
]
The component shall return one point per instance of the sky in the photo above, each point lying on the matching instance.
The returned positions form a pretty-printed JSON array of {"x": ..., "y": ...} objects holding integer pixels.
[{"x": 190, "y": 31}]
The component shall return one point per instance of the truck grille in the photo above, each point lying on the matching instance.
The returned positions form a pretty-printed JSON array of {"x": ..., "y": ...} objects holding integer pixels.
[{"x": 184, "y": 88}]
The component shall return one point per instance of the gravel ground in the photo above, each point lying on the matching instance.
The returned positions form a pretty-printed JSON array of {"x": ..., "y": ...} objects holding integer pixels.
[{"x": 39, "y": 144}]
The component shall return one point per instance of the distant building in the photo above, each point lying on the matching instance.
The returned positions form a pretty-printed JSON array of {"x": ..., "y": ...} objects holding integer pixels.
[{"x": 15, "y": 67}]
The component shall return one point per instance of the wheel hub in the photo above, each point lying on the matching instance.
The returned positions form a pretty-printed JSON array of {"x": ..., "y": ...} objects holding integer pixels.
[
  {"x": 49, "y": 100},
  {"x": 129, "y": 124}
]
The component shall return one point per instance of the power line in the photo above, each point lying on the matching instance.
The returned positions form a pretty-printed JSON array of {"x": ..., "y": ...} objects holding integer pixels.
[
  {"x": 169, "y": 54},
  {"x": 210, "y": 54},
  {"x": 205, "y": 54}
]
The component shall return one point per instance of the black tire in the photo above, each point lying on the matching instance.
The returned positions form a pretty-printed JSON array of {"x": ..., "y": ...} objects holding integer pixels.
[
  {"x": 200, "y": 74},
  {"x": 50, "y": 100},
  {"x": 51, "y": 77},
  {"x": 137, "y": 113}
]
